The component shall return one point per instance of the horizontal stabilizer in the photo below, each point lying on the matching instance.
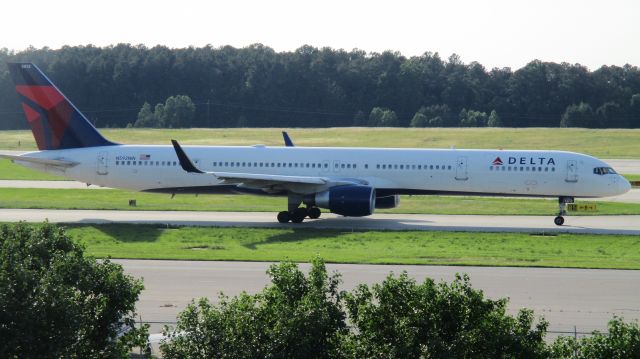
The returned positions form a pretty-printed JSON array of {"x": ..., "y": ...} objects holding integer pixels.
[{"x": 40, "y": 161}]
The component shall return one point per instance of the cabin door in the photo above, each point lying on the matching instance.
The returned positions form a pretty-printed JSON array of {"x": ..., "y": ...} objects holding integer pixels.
[
  {"x": 461, "y": 169},
  {"x": 103, "y": 163},
  {"x": 572, "y": 171}
]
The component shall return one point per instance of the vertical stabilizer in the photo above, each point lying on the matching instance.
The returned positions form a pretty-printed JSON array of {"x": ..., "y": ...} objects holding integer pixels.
[{"x": 55, "y": 122}]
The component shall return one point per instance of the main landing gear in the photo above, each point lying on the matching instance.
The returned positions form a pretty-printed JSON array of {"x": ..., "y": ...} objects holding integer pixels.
[
  {"x": 299, "y": 214},
  {"x": 562, "y": 201}
]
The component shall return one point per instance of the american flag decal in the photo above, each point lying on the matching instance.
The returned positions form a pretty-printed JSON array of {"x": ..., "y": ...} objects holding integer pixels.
[{"x": 144, "y": 157}]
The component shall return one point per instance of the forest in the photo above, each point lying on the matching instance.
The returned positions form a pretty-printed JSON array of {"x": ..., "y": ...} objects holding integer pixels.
[{"x": 255, "y": 86}]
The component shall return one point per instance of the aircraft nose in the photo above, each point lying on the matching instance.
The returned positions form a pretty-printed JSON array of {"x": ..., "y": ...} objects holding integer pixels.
[{"x": 623, "y": 185}]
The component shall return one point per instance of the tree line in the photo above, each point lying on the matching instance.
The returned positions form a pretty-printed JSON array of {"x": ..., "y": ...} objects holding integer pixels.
[
  {"x": 57, "y": 302},
  {"x": 256, "y": 86}
]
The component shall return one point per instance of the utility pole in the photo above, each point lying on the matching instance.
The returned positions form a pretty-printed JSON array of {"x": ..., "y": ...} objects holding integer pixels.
[{"x": 208, "y": 113}]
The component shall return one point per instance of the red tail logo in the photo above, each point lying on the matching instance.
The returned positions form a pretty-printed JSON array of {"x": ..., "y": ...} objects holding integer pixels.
[{"x": 497, "y": 162}]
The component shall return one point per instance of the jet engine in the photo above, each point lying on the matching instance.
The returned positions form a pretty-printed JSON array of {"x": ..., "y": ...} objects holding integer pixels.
[
  {"x": 387, "y": 202},
  {"x": 351, "y": 201}
]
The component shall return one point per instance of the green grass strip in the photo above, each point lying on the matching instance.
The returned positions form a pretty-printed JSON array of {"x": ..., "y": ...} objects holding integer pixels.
[{"x": 379, "y": 247}]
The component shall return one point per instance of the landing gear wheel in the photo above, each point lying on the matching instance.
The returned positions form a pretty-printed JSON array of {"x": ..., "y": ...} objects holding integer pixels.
[
  {"x": 284, "y": 217},
  {"x": 314, "y": 212},
  {"x": 559, "y": 220},
  {"x": 298, "y": 215}
]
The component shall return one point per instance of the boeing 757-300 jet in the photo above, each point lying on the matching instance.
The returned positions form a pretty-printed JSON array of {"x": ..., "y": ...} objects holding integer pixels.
[{"x": 346, "y": 181}]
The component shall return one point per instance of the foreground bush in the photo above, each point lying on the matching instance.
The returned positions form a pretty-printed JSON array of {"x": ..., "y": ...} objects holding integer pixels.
[
  {"x": 300, "y": 316},
  {"x": 402, "y": 319},
  {"x": 54, "y": 302},
  {"x": 295, "y": 317},
  {"x": 623, "y": 341}
]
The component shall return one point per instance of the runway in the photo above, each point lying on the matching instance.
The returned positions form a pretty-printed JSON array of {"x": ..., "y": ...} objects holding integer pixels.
[
  {"x": 462, "y": 223},
  {"x": 585, "y": 298}
]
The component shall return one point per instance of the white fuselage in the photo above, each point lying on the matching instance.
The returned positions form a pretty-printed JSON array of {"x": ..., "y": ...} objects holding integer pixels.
[{"x": 389, "y": 171}]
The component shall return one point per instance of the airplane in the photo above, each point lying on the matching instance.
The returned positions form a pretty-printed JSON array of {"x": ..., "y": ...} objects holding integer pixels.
[{"x": 346, "y": 181}]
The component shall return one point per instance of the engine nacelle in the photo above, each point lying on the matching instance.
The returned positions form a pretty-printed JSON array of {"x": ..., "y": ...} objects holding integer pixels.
[
  {"x": 351, "y": 201},
  {"x": 388, "y": 202}
]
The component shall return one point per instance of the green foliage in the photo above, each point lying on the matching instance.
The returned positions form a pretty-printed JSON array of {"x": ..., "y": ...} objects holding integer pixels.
[
  {"x": 433, "y": 116},
  {"x": 580, "y": 115},
  {"x": 54, "y": 302},
  {"x": 382, "y": 117},
  {"x": 494, "y": 120},
  {"x": 622, "y": 341},
  {"x": 419, "y": 120},
  {"x": 146, "y": 117},
  {"x": 611, "y": 115},
  {"x": 177, "y": 111},
  {"x": 297, "y": 316},
  {"x": 360, "y": 119},
  {"x": 472, "y": 118},
  {"x": 312, "y": 87},
  {"x": 402, "y": 319}
]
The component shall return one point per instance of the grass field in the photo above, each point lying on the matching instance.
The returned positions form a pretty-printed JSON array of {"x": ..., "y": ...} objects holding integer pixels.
[
  {"x": 410, "y": 247},
  {"x": 119, "y": 200},
  {"x": 618, "y": 143}
]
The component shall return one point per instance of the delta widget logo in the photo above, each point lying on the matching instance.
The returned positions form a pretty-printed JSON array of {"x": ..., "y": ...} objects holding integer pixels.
[{"x": 497, "y": 162}]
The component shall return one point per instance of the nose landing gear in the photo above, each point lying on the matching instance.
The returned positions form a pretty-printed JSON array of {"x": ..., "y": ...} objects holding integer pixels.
[{"x": 562, "y": 201}]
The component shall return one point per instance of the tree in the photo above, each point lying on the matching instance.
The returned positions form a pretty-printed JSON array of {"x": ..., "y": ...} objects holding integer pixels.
[
  {"x": 494, "y": 120},
  {"x": 146, "y": 117},
  {"x": 473, "y": 118},
  {"x": 611, "y": 115},
  {"x": 178, "y": 111},
  {"x": 402, "y": 319},
  {"x": 360, "y": 119},
  {"x": 623, "y": 341},
  {"x": 55, "y": 302},
  {"x": 434, "y": 116},
  {"x": 382, "y": 117},
  {"x": 580, "y": 115},
  {"x": 634, "y": 109},
  {"x": 419, "y": 120},
  {"x": 297, "y": 316}
]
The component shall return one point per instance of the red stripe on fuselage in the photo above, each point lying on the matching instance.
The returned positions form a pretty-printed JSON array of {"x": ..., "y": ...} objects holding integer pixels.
[{"x": 46, "y": 97}]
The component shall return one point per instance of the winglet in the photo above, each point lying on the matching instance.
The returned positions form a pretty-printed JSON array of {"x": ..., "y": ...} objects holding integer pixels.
[
  {"x": 287, "y": 139},
  {"x": 185, "y": 162}
]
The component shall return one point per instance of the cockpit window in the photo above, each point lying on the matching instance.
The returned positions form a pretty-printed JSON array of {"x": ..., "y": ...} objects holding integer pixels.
[{"x": 603, "y": 170}]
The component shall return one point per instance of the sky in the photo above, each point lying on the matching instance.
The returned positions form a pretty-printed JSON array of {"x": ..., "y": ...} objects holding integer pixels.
[{"x": 495, "y": 33}]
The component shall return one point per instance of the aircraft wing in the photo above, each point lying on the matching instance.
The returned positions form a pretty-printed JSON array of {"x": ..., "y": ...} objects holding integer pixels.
[
  {"x": 258, "y": 180},
  {"x": 40, "y": 161}
]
